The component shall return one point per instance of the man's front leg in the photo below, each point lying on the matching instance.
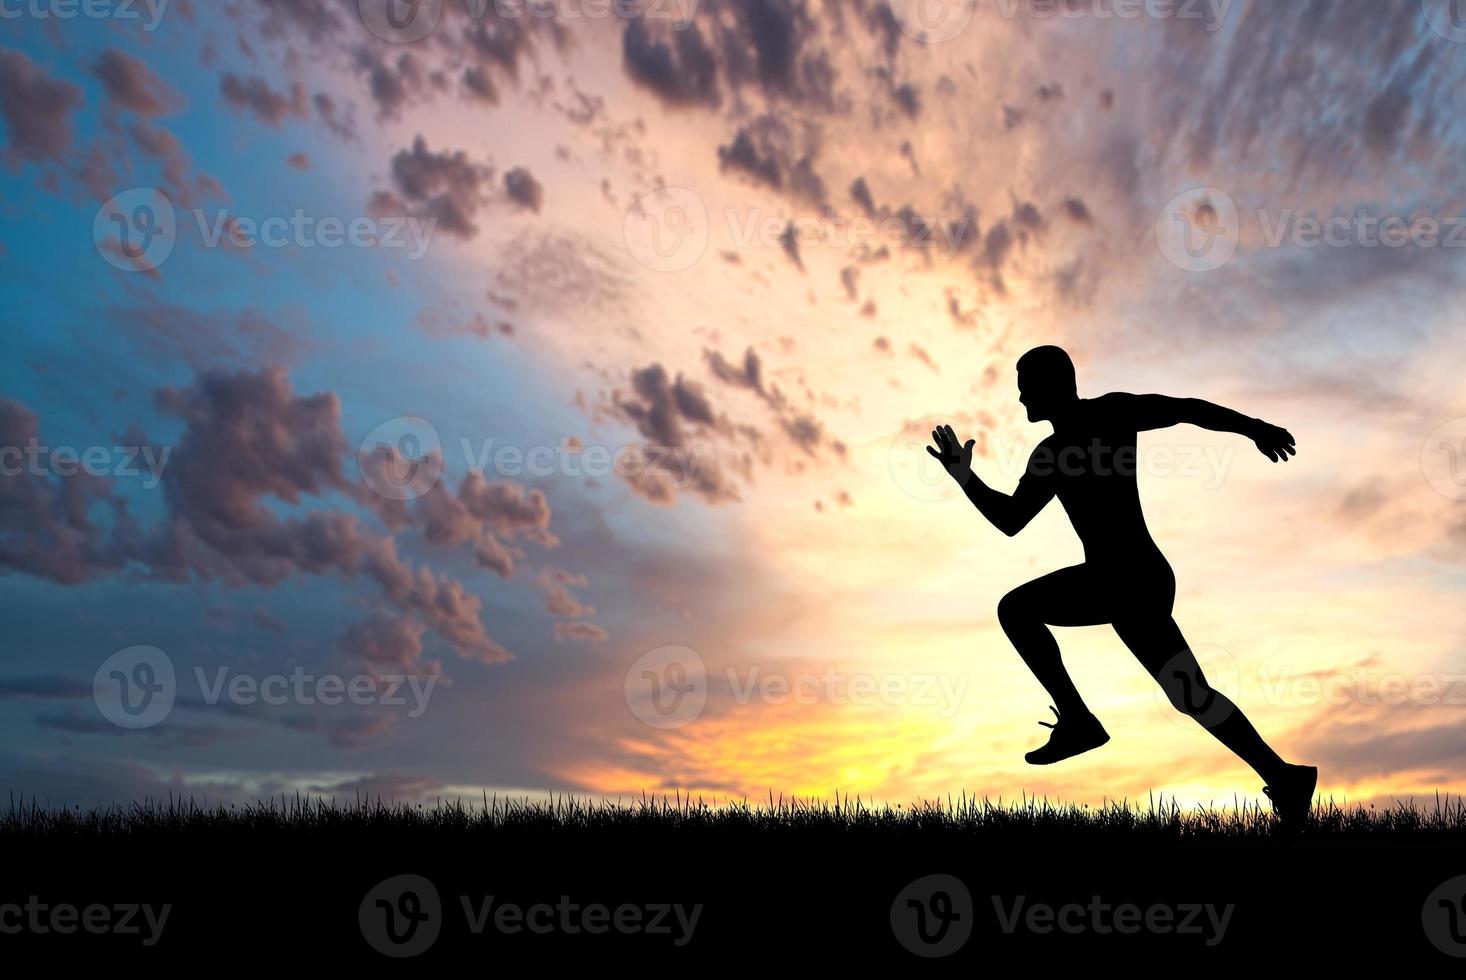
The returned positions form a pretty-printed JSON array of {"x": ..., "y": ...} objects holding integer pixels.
[{"x": 1022, "y": 614}]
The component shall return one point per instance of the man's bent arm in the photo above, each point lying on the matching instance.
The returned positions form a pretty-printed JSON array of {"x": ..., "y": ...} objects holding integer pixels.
[{"x": 1008, "y": 514}]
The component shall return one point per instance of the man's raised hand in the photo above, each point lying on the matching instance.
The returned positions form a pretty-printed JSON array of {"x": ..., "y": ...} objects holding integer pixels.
[
  {"x": 1276, "y": 443},
  {"x": 955, "y": 457}
]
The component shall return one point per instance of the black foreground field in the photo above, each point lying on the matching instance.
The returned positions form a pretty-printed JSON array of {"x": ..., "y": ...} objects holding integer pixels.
[{"x": 296, "y": 882}]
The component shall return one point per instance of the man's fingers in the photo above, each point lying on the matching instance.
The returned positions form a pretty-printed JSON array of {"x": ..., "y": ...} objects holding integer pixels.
[{"x": 935, "y": 455}]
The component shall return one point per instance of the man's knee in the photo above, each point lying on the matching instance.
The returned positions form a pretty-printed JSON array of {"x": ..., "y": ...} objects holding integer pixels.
[{"x": 1014, "y": 610}]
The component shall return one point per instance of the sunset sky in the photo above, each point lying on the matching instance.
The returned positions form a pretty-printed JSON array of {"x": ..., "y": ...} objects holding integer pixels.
[{"x": 663, "y": 300}]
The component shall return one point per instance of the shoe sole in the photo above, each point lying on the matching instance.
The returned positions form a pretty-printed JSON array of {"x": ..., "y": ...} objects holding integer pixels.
[{"x": 1029, "y": 758}]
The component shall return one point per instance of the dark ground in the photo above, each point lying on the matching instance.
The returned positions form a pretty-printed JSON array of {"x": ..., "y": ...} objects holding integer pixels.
[{"x": 289, "y": 885}]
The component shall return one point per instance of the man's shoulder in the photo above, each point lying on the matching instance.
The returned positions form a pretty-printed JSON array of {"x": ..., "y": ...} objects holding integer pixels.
[
  {"x": 1041, "y": 460},
  {"x": 1113, "y": 408}
]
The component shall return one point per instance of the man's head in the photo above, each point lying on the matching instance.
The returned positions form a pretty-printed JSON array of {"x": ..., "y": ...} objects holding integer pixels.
[{"x": 1046, "y": 384}]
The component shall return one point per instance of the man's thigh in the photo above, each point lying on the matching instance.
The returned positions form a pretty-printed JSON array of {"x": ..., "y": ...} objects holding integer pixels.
[{"x": 1074, "y": 596}]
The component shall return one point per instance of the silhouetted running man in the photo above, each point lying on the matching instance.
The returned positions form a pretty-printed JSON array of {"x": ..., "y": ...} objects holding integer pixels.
[{"x": 1090, "y": 464}]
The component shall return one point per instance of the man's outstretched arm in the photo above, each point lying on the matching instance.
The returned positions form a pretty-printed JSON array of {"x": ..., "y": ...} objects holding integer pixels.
[
  {"x": 1009, "y": 514},
  {"x": 1159, "y": 411}
]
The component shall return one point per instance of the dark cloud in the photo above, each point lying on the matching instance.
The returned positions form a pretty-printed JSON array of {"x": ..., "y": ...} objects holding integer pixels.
[
  {"x": 446, "y": 187},
  {"x": 288, "y": 19},
  {"x": 337, "y": 122},
  {"x": 581, "y": 631},
  {"x": 131, "y": 85},
  {"x": 255, "y": 96},
  {"x": 748, "y": 374},
  {"x": 670, "y": 414},
  {"x": 772, "y": 154},
  {"x": 789, "y": 242},
  {"x": 681, "y": 69},
  {"x": 391, "y": 788},
  {"x": 184, "y": 187},
  {"x": 663, "y": 408},
  {"x": 556, "y": 584},
  {"x": 393, "y": 85},
  {"x": 883, "y": 24},
  {"x": 908, "y": 98},
  {"x": 1373, "y": 742},
  {"x": 239, "y": 487},
  {"x": 343, "y": 728},
  {"x": 48, "y": 527},
  {"x": 523, "y": 189},
  {"x": 1077, "y": 211},
  {"x": 768, "y": 45},
  {"x": 205, "y": 340},
  {"x": 248, "y": 436},
  {"x": 486, "y": 515},
  {"x": 480, "y": 85},
  {"x": 175, "y": 734},
  {"x": 384, "y": 644},
  {"x": 803, "y": 430},
  {"x": 37, "y": 108},
  {"x": 51, "y": 687}
]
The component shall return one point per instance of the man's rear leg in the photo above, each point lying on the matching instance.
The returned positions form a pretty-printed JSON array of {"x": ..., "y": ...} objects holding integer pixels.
[
  {"x": 1024, "y": 614},
  {"x": 1163, "y": 651}
]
